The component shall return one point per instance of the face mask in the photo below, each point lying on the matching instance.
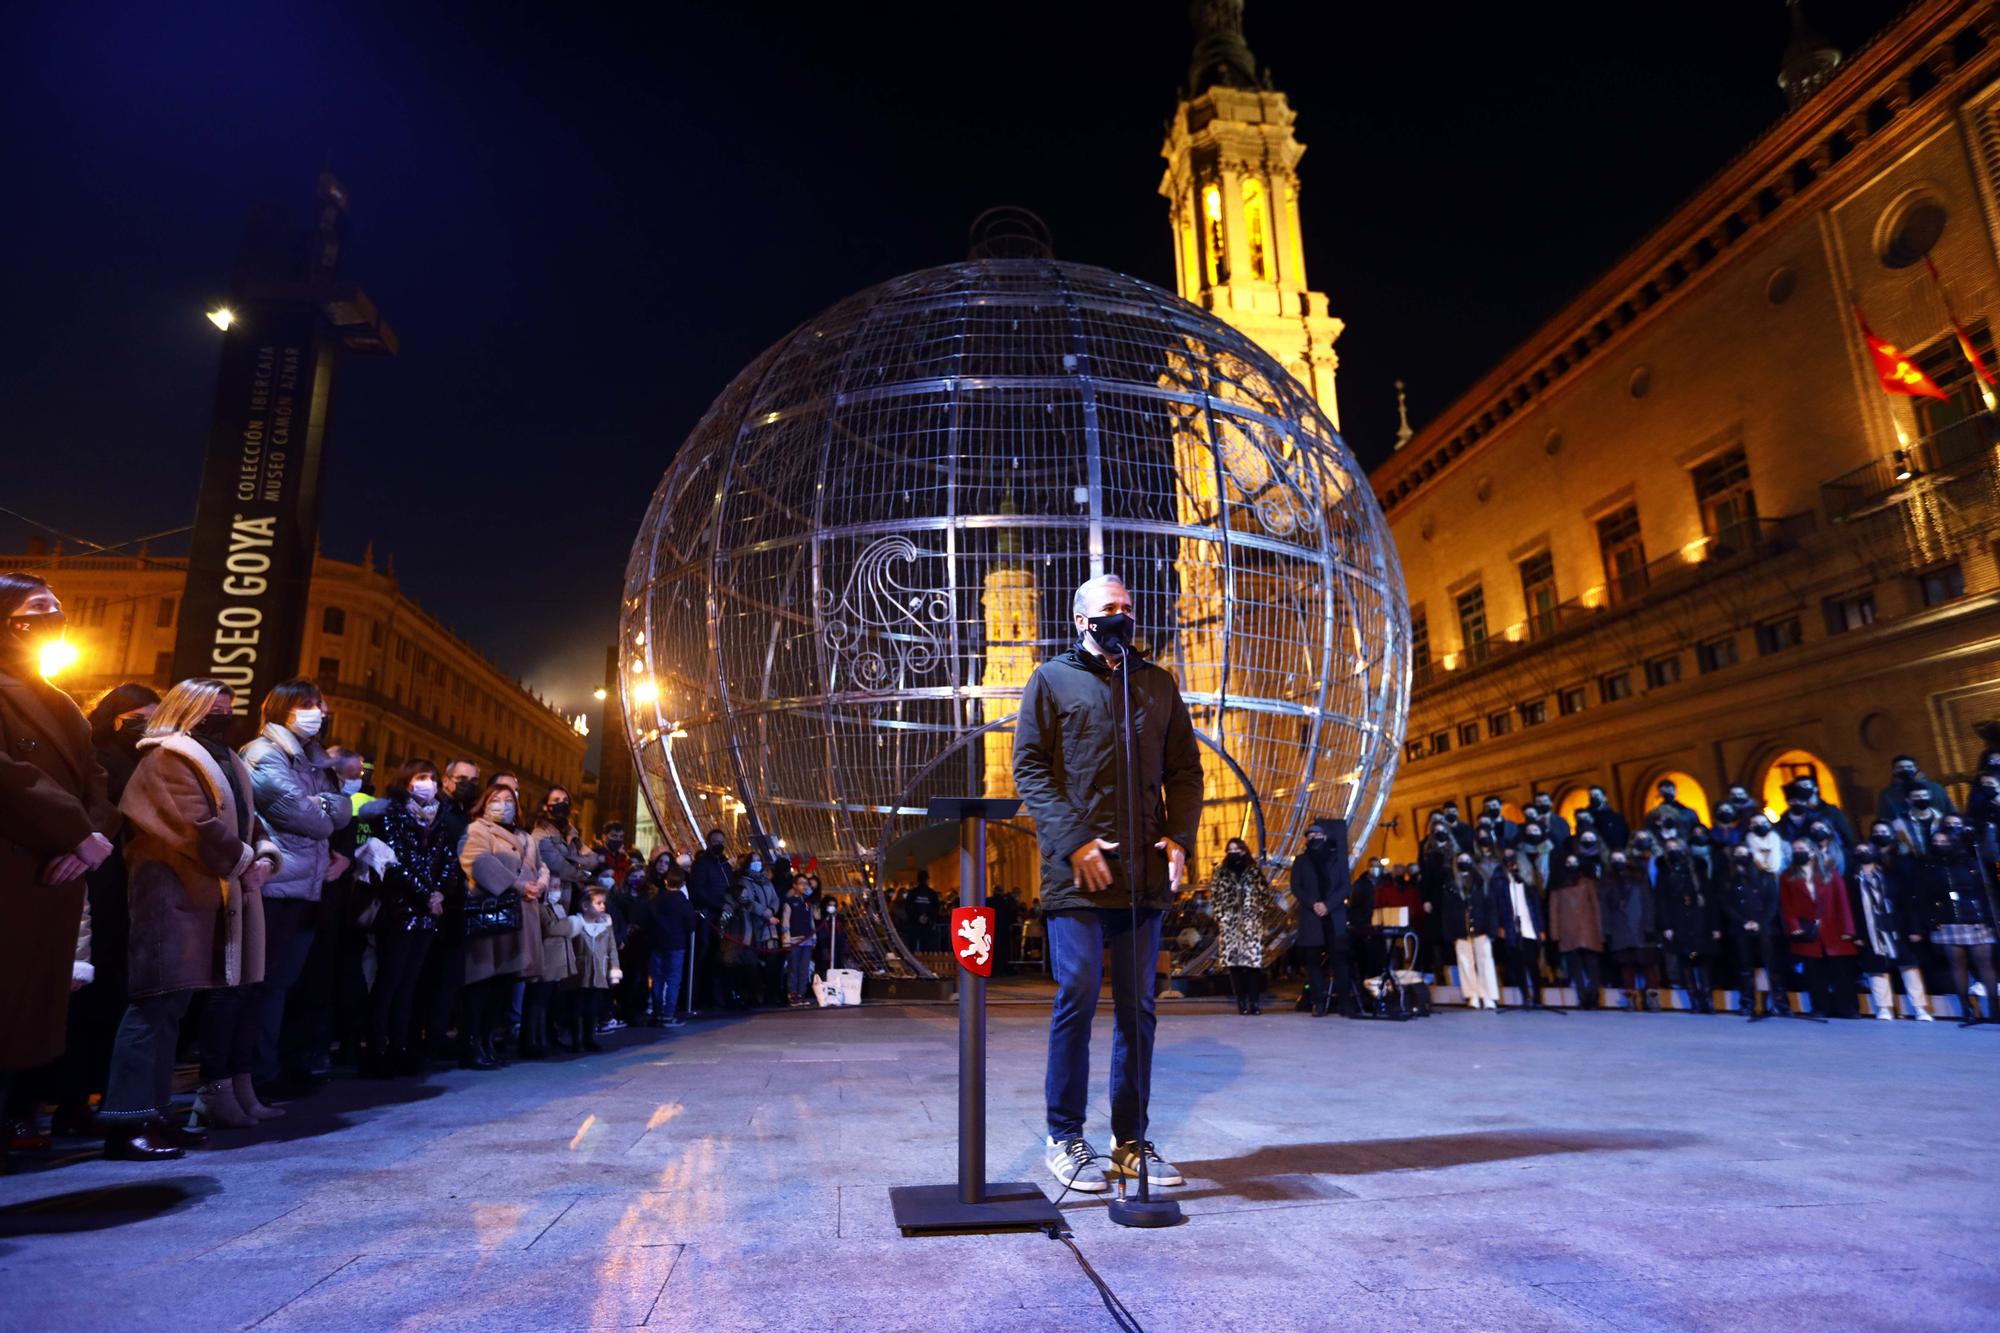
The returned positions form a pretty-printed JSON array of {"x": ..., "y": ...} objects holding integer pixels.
[
  {"x": 1465, "y": 865},
  {"x": 1113, "y": 633},
  {"x": 1921, "y": 801},
  {"x": 559, "y": 812},
  {"x": 1865, "y": 855},
  {"x": 26, "y": 632},
  {"x": 756, "y": 867},
  {"x": 501, "y": 812},
  {"x": 131, "y": 729},
  {"x": 1597, "y": 798},
  {"x": 349, "y": 786},
  {"x": 306, "y": 722},
  {"x": 215, "y": 726},
  {"x": 1237, "y": 858},
  {"x": 423, "y": 791},
  {"x": 1801, "y": 858},
  {"x": 605, "y": 881},
  {"x": 614, "y": 842},
  {"x": 1760, "y": 826}
]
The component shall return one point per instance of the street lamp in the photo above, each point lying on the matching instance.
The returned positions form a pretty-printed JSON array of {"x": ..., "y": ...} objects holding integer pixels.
[
  {"x": 58, "y": 656},
  {"x": 598, "y": 694},
  {"x": 222, "y": 317}
]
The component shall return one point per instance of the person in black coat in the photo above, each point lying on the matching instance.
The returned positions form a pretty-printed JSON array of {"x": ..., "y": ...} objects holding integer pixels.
[
  {"x": 1690, "y": 925},
  {"x": 1493, "y": 812},
  {"x": 709, "y": 884},
  {"x": 1749, "y": 899},
  {"x": 413, "y": 896},
  {"x": 1466, "y": 912},
  {"x": 1803, "y": 806},
  {"x": 1520, "y": 925},
  {"x": 1951, "y": 902},
  {"x": 1609, "y": 825},
  {"x": 1321, "y": 884},
  {"x": 1630, "y": 936}
]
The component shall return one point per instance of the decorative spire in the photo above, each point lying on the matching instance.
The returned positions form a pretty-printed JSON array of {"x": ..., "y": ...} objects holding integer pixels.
[
  {"x": 1221, "y": 56},
  {"x": 1810, "y": 59},
  {"x": 368, "y": 556},
  {"x": 1403, "y": 431}
]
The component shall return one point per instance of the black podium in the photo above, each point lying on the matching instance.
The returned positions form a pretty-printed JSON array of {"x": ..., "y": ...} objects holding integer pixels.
[{"x": 971, "y": 1204}]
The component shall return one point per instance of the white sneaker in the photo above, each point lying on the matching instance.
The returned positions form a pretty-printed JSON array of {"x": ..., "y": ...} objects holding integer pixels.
[
  {"x": 1075, "y": 1163},
  {"x": 1159, "y": 1171}
]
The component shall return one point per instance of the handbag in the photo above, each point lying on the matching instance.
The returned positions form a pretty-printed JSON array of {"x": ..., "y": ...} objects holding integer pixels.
[{"x": 495, "y": 915}]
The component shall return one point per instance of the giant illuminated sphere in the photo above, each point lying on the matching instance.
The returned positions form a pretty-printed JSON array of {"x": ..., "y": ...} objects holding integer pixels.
[{"x": 873, "y": 535}]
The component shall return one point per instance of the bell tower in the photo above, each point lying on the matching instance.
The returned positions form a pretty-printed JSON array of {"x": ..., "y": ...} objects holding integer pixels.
[{"x": 1232, "y": 190}]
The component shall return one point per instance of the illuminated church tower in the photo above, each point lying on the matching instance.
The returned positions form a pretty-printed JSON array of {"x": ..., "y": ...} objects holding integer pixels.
[{"x": 1232, "y": 185}]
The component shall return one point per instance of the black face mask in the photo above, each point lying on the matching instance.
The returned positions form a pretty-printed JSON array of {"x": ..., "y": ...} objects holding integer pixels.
[
  {"x": 558, "y": 812},
  {"x": 1236, "y": 860},
  {"x": 1596, "y": 800},
  {"x": 1113, "y": 632},
  {"x": 129, "y": 731},
  {"x": 28, "y": 629},
  {"x": 214, "y": 727},
  {"x": 1801, "y": 858},
  {"x": 465, "y": 791}
]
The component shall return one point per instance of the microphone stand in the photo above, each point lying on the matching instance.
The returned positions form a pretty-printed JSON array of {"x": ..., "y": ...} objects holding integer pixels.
[{"x": 1144, "y": 1211}]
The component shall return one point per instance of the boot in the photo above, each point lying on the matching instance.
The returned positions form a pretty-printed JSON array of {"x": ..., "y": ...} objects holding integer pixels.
[
  {"x": 478, "y": 1053},
  {"x": 566, "y": 1029},
  {"x": 215, "y": 1104},
  {"x": 246, "y": 1098},
  {"x": 1704, "y": 993}
]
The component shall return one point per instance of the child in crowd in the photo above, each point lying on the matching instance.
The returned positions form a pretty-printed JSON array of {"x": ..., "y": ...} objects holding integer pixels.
[
  {"x": 795, "y": 920},
  {"x": 597, "y": 969}
]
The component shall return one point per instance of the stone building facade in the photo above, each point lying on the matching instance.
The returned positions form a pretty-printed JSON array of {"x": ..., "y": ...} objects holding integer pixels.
[
  {"x": 398, "y": 683},
  {"x": 1683, "y": 530}
]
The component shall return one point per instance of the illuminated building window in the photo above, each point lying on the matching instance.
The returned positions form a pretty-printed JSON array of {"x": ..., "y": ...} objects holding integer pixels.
[
  {"x": 1420, "y": 638},
  {"x": 1538, "y": 593},
  {"x": 1663, "y": 671},
  {"x": 1214, "y": 253},
  {"x": 1854, "y": 611},
  {"x": 1728, "y": 505},
  {"x": 1790, "y": 766},
  {"x": 1440, "y": 742},
  {"x": 1944, "y": 584},
  {"x": 1775, "y": 636},
  {"x": 1571, "y": 700},
  {"x": 1715, "y": 654},
  {"x": 333, "y": 621},
  {"x": 1257, "y": 226},
  {"x": 1534, "y": 712},
  {"x": 1616, "y": 686},
  {"x": 1413, "y": 750},
  {"x": 164, "y": 617},
  {"x": 1472, "y": 622},
  {"x": 1468, "y": 734},
  {"x": 1624, "y": 553},
  {"x": 1499, "y": 724}
]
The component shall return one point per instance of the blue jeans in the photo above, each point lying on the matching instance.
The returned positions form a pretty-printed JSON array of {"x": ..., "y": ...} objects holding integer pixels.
[
  {"x": 1076, "y": 943},
  {"x": 667, "y": 969},
  {"x": 799, "y": 969}
]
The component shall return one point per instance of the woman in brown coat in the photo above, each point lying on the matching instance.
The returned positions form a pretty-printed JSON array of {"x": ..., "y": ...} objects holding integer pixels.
[
  {"x": 1576, "y": 917},
  {"x": 55, "y": 826},
  {"x": 196, "y": 861},
  {"x": 498, "y": 859}
]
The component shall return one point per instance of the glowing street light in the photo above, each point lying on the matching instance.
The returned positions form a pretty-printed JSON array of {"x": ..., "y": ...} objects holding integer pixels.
[
  {"x": 58, "y": 656},
  {"x": 645, "y": 692},
  {"x": 222, "y": 317},
  {"x": 598, "y": 694}
]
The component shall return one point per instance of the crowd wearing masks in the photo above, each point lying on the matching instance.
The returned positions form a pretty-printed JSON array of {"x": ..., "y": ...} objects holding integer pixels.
[
  {"x": 264, "y": 915},
  {"x": 1804, "y": 903}
]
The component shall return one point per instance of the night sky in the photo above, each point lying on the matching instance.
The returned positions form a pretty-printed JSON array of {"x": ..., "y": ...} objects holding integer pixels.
[{"x": 583, "y": 222}]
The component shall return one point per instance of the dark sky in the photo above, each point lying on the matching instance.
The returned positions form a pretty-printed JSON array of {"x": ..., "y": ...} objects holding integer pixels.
[{"x": 584, "y": 221}]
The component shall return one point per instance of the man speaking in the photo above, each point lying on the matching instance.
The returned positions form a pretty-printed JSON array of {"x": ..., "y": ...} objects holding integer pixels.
[{"x": 1068, "y": 768}]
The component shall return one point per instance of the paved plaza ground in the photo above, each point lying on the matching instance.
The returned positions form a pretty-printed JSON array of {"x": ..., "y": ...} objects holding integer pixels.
[{"x": 1510, "y": 1171}]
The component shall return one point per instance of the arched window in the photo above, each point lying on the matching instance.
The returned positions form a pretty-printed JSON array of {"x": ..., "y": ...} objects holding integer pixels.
[
  {"x": 1216, "y": 254},
  {"x": 1571, "y": 800},
  {"x": 1789, "y": 766},
  {"x": 1689, "y": 792},
  {"x": 1257, "y": 229}
]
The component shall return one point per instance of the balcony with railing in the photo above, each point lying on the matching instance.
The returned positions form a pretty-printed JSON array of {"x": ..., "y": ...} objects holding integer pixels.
[
  {"x": 1958, "y": 448},
  {"x": 1699, "y": 562}
]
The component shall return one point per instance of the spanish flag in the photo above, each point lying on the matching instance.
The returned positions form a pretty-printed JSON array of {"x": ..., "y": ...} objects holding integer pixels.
[
  {"x": 1897, "y": 372},
  {"x": 1972, "y": 356}
]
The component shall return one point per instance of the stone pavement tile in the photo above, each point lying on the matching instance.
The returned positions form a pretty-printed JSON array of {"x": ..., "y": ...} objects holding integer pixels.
[
  {"x": 797, "y": 1212},
  {"x": 1838, "y": 1302},
  {"x": 39, "y": 1293},
  {"x": 485, "y": 1292},
  {"x": 943, "y": 1282},
  {"x": 415, "y": 1224}
]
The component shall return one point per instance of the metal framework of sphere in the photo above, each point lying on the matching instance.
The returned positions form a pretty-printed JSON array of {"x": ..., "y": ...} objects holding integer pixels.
[{"x": 873, "y": 535}]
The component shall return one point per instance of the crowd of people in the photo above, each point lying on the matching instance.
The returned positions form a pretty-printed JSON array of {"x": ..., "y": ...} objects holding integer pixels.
[
  {"x": 269, "y": 915},
  {"x": 1804, "y": 902}
]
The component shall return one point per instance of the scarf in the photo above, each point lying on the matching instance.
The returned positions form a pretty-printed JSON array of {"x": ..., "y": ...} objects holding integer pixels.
[{"x": 1875, "y": 912}]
